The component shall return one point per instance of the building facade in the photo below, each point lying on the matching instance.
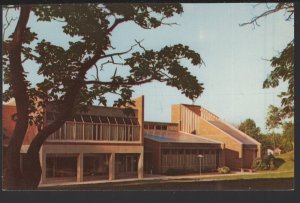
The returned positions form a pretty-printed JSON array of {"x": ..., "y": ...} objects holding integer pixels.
[{"x": 104, "y": 143}]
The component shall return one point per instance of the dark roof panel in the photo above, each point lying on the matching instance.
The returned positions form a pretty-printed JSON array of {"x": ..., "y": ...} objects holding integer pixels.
[{"x": 176, "y": 137}]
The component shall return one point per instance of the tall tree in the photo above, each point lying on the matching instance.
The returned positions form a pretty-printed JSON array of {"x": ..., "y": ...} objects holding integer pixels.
[
  {"x": 64, "y": 70},
  {"x": 288, "y": 136},
  {"x": 249, "y": 127},
  {"x": 283, "y": 64}
]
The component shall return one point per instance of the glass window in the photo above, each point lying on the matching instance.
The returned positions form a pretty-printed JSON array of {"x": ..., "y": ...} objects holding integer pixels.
[
  {"x": 134, "y": 121},
  {"x": 78, "y": 118},
  {"x": 112, "y": 120},
  {"x": 127, "y": 121},
  {"x": 146, "y": 126},
  {"x": 95, "y": 119},
  {"x": 164, "y": 127},
  {"x": 104, "y": 119},
  {"x": 151, "y": 127},
  {"x": 70, "y": 119},
  {"x": 87, "y": 118},
  {"x": 158, "y": 127},
  {"x": 120, "y": 120}
]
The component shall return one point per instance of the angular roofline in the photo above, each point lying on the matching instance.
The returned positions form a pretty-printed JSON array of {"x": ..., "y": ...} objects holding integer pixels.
[
  {"x": 241, "y": 132},
  {"x": 223, "y": 131},
  {"x": 205, "y": 138},
  {"x": 145, "y": 122}
]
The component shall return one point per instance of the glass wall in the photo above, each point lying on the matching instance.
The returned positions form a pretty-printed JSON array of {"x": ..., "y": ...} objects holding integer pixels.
[
  {"x": 97, "y": 128},
  {"x": 187, "y": 159},
  {"x": 61, "y": 166},
  {"x": 95, "y": 166}
]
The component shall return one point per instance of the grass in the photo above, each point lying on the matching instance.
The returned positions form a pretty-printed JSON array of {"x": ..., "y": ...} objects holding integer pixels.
[
  {"x": 285, "y": 170},
  {"x": 288, "y": 165}
]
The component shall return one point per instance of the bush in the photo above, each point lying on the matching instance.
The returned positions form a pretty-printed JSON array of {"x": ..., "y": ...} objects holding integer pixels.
[
  {"x": 224, "y": 170},
  {"x": 267, "y": 163}
]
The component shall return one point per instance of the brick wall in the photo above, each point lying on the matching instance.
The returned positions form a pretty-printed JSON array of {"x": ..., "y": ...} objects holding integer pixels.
[
  {"x": 9, "y": 125},
  {"x": 233, "y": 149}
]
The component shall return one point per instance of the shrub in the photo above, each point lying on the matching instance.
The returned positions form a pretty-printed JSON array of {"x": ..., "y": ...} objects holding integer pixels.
[
  {"x": 267, "y": 163},
  {"x": 224, "y": 170}
]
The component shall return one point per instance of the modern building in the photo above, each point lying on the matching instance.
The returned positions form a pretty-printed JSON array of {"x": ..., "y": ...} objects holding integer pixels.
[{"x": 105, "y": 143}]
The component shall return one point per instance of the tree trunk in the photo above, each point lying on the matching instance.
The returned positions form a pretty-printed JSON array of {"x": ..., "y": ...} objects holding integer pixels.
[
  {"x": 13, "y": 178},
  {"x": 32, "y": 170}
]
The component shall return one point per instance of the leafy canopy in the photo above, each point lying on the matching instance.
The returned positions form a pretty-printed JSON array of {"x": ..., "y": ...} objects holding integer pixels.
[
  {"x": 65, "y": 69},
  {"x": 249, "y": 127}
]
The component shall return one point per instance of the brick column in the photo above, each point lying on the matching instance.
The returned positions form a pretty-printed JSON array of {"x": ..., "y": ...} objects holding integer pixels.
[
  {"x": 141, "y": 166},
  {"x": 111, "y": 175},
  {"x": 80, "y": 167}
]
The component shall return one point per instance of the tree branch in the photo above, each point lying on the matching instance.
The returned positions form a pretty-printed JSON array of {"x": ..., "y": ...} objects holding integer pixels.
[
  {"x": 121, "y": 53},
  {"x": 117, "y": 22},
  {"x": 280, "y": 6},
  {"x": 123, "y": 84},
  {"x": 8, "y": 23}
]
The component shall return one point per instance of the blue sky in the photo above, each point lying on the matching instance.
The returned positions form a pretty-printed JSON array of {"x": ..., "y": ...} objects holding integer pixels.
[{"x": 234, "y": 56}]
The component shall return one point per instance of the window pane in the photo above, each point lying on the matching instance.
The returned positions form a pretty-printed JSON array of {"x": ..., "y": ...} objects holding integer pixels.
[
  {"x": 78, "y": 118},
  {"x": 112, "y": 120},
  {"x": 86, "y": 118},
  {"x": 69, "y": 130},
  {"x": 127, "y": 121},
  {"x": 158, "y": 127},
  {"x": 79, "y": 131},
  {"x": 88, "y": 131},
  {"x": 105, "y": 132},
  {"x": 134, "y": 121},
  {"x": 120, "y": 120},
  {"x": 104, "y": 119},
  {"x": 114, "y": 132},
  {"x": 95, "y": 119},
  {"x": 164, "y": 127}
]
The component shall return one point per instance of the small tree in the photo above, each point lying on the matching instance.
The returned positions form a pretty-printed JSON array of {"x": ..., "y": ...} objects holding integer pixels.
[{"x": 64, "y": 70}]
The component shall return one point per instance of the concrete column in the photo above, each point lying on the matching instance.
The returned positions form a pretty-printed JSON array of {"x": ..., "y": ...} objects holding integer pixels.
[
  {"x": 112, "y": 158},
  {"x": 43, "y": 165},
  {"x": 258, "y": 151},
  {"x": 141, "y": 166},
  {"x": 80, "y": 167}
]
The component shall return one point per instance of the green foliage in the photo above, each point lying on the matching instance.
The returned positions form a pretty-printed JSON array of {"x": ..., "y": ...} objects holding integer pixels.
[
  {"x": 273, "y": 119},
  {"x": 249, "y": 127},
  {"x": 63, "y": 68},
  {"x": 224, "y": 170},
  {"x": 283, "y": 71},
  {"x": 267, "y": 163}
]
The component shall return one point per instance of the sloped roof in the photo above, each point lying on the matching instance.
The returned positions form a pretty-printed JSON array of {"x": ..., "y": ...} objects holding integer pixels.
[
  {"x": 177, "y": 137},
  {"x": 233, "y": 132}
]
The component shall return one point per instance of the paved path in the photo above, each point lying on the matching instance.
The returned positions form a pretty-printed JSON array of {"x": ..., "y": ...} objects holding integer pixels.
[{"x": 153, "y": 177}]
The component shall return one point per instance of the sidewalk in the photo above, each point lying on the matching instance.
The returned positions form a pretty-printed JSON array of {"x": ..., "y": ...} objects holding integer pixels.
[{"x": 148, "y": 177}]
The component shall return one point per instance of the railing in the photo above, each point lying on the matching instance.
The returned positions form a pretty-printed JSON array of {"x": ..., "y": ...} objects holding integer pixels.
[{"x": 96, "y": 132}]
